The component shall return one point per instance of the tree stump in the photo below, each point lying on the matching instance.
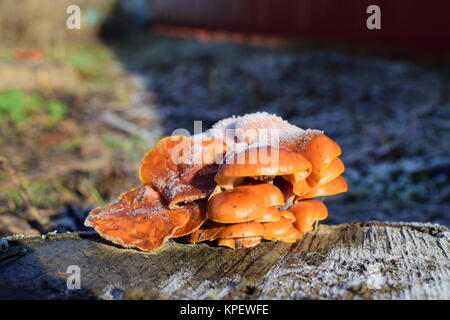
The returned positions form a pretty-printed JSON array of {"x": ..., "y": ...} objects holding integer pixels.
[{"x": 348, "y": 261}]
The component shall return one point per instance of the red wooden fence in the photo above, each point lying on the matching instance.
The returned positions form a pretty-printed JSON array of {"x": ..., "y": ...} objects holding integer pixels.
[{"x": 415, "y": 24}]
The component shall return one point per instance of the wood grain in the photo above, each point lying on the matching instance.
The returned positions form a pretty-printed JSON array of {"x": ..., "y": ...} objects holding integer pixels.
[{"x": 348, "y": 261}]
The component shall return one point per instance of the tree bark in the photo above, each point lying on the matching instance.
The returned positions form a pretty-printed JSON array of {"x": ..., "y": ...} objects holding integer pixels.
[{"x": 348, "y": 261}]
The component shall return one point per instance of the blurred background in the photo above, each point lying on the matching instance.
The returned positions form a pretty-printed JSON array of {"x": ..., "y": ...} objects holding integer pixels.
[{"x": 79, "y": 107}]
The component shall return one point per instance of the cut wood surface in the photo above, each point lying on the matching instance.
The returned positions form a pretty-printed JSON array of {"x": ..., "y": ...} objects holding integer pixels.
[{"x": 348, "y": 261}]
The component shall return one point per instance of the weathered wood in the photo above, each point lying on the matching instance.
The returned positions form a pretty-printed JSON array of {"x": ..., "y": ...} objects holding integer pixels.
[{"x": 355, "y": 260}]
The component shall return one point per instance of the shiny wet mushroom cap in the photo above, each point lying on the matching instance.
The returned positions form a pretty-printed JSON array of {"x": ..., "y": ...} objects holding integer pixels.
[
  {"x": 242, "y": 230},
  {"x": 306, "y": 212},
  {"x": 262, "y": 162},
  {"x": 333, "y": 187},
  {"x": 272, "y": 214},
  {"x": 224, "y": 242},
  {"x": 318, "y": 148},
  {"x": 210, "y": 230},
  {"x": 273, "y": 230},
  {"x": 292, "y": 235},
  {"x": 247, "y": 242},
  {"x": 240, "y": 204},
  {"x": 287, "y": 214},
  {"x": 272, "y": 194},
  {"x": 335, "y": 169}
]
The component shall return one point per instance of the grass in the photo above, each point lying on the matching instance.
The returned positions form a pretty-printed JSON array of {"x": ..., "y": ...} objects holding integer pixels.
[
  {"x": 17, "y": 107},
  {"x": 42, "y": 128},
  {"x": 134, "y": 147},
  {"x": 91, "y": 62}
]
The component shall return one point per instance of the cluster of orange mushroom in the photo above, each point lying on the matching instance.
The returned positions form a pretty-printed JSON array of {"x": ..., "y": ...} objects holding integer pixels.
[{"x": 230, "y": 184}]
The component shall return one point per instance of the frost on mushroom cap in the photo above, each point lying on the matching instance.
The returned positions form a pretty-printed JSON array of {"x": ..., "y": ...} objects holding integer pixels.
[
  {"x": 261, "y": 162},
  {"x": 241, "y": 128},
  {"x": 180, "y": 169},
  {"x": 240, "y": 204},
  {"x": 139, "y": 219}
]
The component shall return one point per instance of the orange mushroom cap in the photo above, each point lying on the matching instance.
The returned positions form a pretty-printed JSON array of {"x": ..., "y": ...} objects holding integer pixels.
[
  {"x": 181, "y": 169},
  {"x": 242, "y": 230},
  {"x": 272, "y": 194},
  {"x": 272, "y": 214},
  {"x": 263, "y": 162},
  {"x": 210, "y": 230},
  {"x": 287, "y": 214},
  {"x": 335, "y": 186},
  {"x": 273, "y": 230},
  {"x": 226, "y": 243},
  {"x": 292, "y": 235},
  {"x": 233, "y": 243},
  {"x": 240, "y": 204},
  {"x": 318, "y": 148},
  {"x": 306, "y": 212},
  {"x": 140, "y": 219},
  {"x": 335, "y": 169},
  {"x": 247, "y": 242},
  {"x": 196, "y": 219}
]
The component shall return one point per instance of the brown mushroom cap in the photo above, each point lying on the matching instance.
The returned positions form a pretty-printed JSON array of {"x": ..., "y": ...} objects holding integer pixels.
[
  {"x": 140, "y": 219},
  {"x": 242, "y": 230},
  {"x": 181, "y": 169},
  {"x": 335, "y": 186},
  {"x": 272, "y": 214},
  {"x": 306, "y": 212},
  {"x": 210, "y": 230},
  {"x": 225, "y": 242},
  {"x": 273, "y": 230},
  {"x": 240, "y": 204},
  {"x": 318, "y": 148},
  {"x": 260, "y": 161}
]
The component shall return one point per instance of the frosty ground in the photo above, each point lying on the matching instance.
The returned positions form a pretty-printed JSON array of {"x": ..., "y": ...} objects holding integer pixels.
[{"x": 390, "y": 116}]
